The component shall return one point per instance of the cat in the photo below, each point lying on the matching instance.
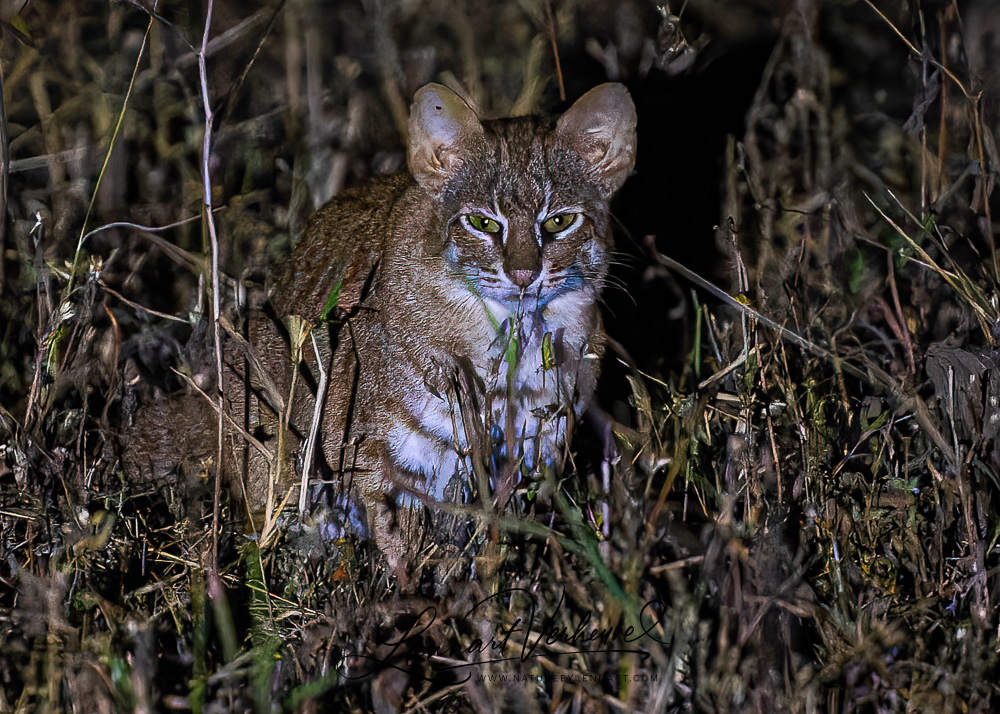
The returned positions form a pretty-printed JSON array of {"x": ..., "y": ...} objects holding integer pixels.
[{"x": 466, "y": 289}]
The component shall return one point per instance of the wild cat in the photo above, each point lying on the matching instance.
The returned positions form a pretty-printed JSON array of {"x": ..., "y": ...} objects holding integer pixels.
[{"x": 468, "y": 291}]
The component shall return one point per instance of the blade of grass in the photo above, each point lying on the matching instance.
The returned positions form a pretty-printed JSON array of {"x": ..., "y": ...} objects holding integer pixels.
[
  {"x": 966, "y": 288},
  {"x": 107, "y": 160}
]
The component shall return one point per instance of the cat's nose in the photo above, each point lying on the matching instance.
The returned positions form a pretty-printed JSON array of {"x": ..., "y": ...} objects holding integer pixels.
[{"x": 523, "y": 278}]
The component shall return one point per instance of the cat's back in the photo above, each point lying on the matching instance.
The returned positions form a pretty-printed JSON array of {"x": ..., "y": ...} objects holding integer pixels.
[{"x": 341, "y": 246}]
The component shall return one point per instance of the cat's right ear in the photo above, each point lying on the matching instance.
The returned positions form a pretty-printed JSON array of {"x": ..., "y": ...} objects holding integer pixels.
[
  {"x": 443, "y": 128},
  {"x": 600, "y": 128}
]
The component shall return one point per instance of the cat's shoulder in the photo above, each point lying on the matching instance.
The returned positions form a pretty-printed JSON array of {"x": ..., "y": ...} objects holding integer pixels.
[
  {"x": 340, "y": 248},
  {"x": 370, "y": 201}
]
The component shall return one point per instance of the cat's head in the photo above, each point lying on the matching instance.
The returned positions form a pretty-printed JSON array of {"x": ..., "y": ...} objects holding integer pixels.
[{"x": 524, "y": 201}]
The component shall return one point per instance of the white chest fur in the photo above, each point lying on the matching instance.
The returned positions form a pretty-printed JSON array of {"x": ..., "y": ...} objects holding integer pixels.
[{"x": 529, "y": 364}]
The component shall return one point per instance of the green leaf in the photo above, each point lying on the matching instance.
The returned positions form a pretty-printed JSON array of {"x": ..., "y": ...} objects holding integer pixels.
[
  {"x": 548, "y": 356},
  {"x": 331, "y": 301},
  {"x": 855, "y": 271},
  {"x": 510, "y": 355},
  {"x": 20, "y": 27}
]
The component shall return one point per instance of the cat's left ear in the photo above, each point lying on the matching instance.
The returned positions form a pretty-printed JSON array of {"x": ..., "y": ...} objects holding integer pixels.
[
  {"x": 443, "y": 129},
  {"x": 600, "y": 128}
]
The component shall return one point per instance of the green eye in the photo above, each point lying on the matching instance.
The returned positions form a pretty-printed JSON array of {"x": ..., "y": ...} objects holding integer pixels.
[
  {"x": 559, "y": 222},
  {"x": 482, "y": 223}
]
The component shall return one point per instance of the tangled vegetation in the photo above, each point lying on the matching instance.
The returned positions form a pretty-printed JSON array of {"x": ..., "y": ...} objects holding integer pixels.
[{"x": 791, "y": 501}]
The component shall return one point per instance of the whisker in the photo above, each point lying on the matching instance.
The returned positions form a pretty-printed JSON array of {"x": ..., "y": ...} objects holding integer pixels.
[
  {"x": 607, "y": 308},
  {"x": 612, "y": 286},
  {"x": 622, "y": 256},
  {"x": 624, "y": 264},
  {"x": 615, "y": 282}
]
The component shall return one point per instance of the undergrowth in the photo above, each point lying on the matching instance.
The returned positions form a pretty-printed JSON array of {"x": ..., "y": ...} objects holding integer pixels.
[{"x": 790, "y": 501}]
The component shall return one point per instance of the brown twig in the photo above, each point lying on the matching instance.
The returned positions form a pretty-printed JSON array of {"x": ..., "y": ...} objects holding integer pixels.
[
  {"x": 551, "y": 27},
  {"x": 137, "y": 306}
]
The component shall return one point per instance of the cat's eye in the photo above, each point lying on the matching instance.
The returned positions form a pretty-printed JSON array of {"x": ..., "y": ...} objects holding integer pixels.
[
  {"x": 559, "y": 222},
  {"x": 483, "y": 223}
]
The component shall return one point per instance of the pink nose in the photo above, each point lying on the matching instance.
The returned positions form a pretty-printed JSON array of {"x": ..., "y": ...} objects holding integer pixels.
[{"x": 523, "y": 278}]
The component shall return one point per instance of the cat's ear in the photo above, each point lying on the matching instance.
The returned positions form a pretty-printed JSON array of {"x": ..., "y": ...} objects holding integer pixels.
[
  {"x": 443, "y": 129},
  {"x": 600, "y": 128}
]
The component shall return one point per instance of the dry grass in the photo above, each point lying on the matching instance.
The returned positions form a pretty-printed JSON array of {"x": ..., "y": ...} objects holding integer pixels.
[{"x": 808, "y": 484}]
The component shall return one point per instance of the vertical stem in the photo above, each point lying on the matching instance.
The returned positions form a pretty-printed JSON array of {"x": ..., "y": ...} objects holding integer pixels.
[
  {"x": 555, "y": 49},
  {"x": 206, "y": 150}
]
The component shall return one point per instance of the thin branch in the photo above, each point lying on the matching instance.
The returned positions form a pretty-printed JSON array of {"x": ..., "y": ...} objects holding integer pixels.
[
  {"x": 153, "y": 15},
  {"x": 149, "y": 229},
  {"x": 137, "y": 306},
  {"x": 748, "y": 311},
  {"x": 237, "y": 85},
  {"x": 551, "y": 31},
  {"x": 918, "y": 53},
  {"x": 324, "y": 379},
  {"x": 206, "y": 152},
  {"x": 250, "y": 438}
]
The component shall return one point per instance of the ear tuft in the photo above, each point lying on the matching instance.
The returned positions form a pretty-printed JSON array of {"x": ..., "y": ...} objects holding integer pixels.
[
  {"x": 600, "y": 128},
  {"x": 443, "y": 129}
]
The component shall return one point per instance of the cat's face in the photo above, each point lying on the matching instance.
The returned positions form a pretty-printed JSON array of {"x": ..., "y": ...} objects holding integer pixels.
[
  {"x": 526, "y": 224},
  {"x": 524, "y": 201}
]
